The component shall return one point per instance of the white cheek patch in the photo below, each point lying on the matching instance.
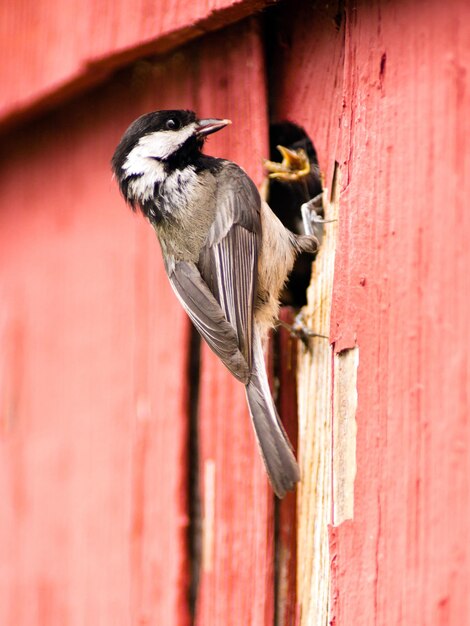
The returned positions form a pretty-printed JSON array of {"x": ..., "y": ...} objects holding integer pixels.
[
  {"x": 163, "y": 143},
  {"x": 147, "y": 172},
  {"x": 138, "y": 162},
  {"x": 144, "y": 160}
]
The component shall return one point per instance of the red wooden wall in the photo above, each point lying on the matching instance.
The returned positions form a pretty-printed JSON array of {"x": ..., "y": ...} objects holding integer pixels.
[
  {"x": 396, "y": 90},
  {"x": 94, "y": 356},
  {"x": 58, "y": 50}
]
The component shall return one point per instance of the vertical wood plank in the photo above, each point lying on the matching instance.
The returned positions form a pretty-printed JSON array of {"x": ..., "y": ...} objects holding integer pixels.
[
  {"x": 306, "y": 80},
  {"x": 93, "y": 430},
  {"x": 401, "y": 296},
  {"x": 237, "y": 571},
  {"x": 106, "y": 390},
  {"x": 286, "y": 368},
  {"x": 395, "y": 111},
  {"x": 94, "y": 398},
  {"x": 159, "y": 567}
]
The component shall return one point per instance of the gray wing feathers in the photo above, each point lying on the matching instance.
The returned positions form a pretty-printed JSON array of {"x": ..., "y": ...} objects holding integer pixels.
[
  {"x": 219, "y": 297},
  {"x": 208, "y": 317},
  {"x": 233, "y": 262},
  {"x": 229, "y": 261},
  {"x": 276, "y": 450},
  {"x": 238, "y": 202},
  {"x": 218, "y": 293},
  {"x": 229, "y": 264}
]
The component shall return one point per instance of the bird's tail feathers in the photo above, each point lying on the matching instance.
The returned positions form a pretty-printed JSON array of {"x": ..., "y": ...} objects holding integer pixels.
[{"x": 275, "y": 447}]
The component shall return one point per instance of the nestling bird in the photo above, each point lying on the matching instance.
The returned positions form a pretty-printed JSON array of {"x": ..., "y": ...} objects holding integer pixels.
[
  {"x": 290, "y": 184},
  {"x": 226, "y": 254}
]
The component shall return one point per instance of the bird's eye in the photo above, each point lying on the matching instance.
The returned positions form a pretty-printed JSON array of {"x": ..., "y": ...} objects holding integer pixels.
[{"x": 172, "y": 124}]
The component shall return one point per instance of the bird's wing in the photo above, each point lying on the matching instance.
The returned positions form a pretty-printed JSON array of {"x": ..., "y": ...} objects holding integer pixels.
[
  {"x": 229, "y": 261},
  {"x": 208, "y": 317},
  {"x": 219, "y": 292}
]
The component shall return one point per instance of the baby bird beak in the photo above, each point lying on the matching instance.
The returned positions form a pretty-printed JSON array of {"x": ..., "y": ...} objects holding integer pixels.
[
  {"x": 295, "y": 165},
  {"x": 210, "y": 125}
]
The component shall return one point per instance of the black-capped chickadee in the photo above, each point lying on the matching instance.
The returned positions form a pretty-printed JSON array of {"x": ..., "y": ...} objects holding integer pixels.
[{"x": 226, "y": 254}]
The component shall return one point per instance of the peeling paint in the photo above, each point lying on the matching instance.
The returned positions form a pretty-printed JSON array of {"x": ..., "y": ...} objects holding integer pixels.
[{"x": 344, "y": 433}]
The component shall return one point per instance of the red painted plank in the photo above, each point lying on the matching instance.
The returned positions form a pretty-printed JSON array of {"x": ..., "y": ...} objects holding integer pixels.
[
  {"x": 236, "y": 584},
  {"x": 51, "y": 50},
  {"x": 93, "y": 428},
  {"x": 399, "y": 130},
  {"x": 307, "y": 54},
  {"x": 403, "y": 297},
  {"x": 93, "y": 414}
]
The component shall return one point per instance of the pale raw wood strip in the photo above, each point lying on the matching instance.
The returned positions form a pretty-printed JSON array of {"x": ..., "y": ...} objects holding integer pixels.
[{"x": 315, "y": 436}]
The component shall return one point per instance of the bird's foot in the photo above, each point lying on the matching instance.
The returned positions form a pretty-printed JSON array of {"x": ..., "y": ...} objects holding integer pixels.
[
  {"x": 311, "y": 215},
  {"x": 295, "y": 165},
  {"x": 299, "y": 330}
]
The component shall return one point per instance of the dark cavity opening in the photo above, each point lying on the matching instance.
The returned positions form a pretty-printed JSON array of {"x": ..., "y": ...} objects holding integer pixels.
[
  {"x": 194, "y": 531},
  {"x": 286, "y": 198}
]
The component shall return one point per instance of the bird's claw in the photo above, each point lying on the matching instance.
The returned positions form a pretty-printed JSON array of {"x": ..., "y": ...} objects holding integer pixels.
[
  {"x": 299, "y": 330},
  {"x": 311, "y": 214}
]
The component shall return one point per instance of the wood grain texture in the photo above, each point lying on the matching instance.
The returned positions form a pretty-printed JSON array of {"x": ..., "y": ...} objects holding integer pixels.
[
  {"x": 53, "y": 50},
  {"x": 93, "y": 433},
  {"x": 93, "y": 428},
  {"x": 285, "y": 372},
  {"x": 236, "y": 585},
  {"x": 401, "y": 295},
  {"x": 389, "y": 107},
  {"x": 94, "y": 399},
  {"x": 93, "y": 417},
  {"x": 308, "y": 70},
  {"x": 345, "y": 366},
  {"x": 315, "y": 385},
  {"x": 93, "y": 414}
]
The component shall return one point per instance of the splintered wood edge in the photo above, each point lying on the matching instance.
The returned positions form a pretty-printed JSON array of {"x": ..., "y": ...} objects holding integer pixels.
[
  {"x": 344, "y": 433},
  {"x": 314, "y": 499}
]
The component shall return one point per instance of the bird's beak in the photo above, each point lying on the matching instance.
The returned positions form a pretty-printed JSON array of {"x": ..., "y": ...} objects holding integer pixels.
[
  {"x": 211, "y": 125},
  {"x": 295, "y": 165}
]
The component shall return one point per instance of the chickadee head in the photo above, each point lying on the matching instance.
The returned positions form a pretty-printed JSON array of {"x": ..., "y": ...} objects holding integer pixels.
[{"x": 157, "y": 143}]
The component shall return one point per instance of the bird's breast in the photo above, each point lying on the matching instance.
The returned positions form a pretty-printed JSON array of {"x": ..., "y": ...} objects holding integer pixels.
[{"x": 186, "y": 203}]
